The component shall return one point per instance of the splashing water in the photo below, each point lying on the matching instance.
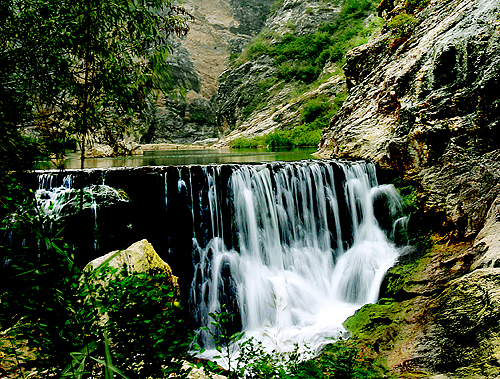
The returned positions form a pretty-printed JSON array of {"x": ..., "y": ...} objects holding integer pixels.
[
  {"x": 309, "y": 250},
  {"x": 292, "y": 248}
]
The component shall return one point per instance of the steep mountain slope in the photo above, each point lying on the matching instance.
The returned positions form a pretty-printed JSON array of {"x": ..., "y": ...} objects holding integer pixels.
[
  {"x": 219, "y": 29},
  {"x": 287, "y": 76},
  {"x": 424, "y": 103}
]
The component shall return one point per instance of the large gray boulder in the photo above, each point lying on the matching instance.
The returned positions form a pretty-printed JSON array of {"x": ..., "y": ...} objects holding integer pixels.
[{"x": 434, "y": 91}]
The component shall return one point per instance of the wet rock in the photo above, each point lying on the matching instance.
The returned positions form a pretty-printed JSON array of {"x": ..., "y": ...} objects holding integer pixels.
[
  {"x": 89, "y": 213},
  {"x": 66, "y": 202},
  {"x": 424, "y": 107}
]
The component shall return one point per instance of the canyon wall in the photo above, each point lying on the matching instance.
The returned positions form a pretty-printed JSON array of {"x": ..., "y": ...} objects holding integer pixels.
[
  {"x": 424, "y": 103},
  {"x": 220, "y": 29}
]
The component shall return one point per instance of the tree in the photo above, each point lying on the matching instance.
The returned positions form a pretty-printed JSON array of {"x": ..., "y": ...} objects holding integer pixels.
[{"x": 86, "y": 69}]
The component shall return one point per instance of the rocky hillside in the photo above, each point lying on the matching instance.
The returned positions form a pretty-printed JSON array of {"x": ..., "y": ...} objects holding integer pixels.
[
  {"x": 220, "y": 29},
  {"x": 289, "y": 73},
  {"x": 424, "y": 103},
  {"x": 247, "y": 69}
]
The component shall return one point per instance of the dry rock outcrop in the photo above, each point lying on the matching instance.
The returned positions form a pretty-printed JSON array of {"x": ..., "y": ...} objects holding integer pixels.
[{"x": 425, "y": 105}]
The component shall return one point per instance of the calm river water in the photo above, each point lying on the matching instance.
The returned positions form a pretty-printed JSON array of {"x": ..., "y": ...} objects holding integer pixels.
[{"x": 191, "y": 157}]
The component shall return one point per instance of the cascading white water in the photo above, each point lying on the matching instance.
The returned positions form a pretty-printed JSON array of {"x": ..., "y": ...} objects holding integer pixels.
[
  {"x": 294, "y": 276},
  {"x": 292, "y": 248}
]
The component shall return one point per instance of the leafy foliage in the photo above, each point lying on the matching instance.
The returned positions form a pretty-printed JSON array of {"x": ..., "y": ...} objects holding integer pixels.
[
  {"x": 83, "y": 69},
  {"x": 402, "y": 26},
  {"x": 48, "y": 302},
  {"x": 223, "y": 336},
  {"x": 340, "y": 359},
  {"x": 315, "y": 115},
  {"x": 414, "y": 5},
  {"x": 302, "y": 57},
  {"x": 145, "y": 319}
]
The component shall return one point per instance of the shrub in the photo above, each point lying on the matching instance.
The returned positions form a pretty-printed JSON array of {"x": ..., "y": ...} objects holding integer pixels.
[
  {"x": 315, "y": 116},
  {"x": 412, "y": 5},
  {"x": 302, "y": 58},
  {"x": 338, "y": 360},
  {"x": 145, "y": 324},
  {"x": 402, "y": 25},
  {"x": 54, "y": 312},
  {"x": 342, "y": 360},
  {"x": 279, "y": 138},
  {"x": 244, "y": 143},
  {"x": 313, "y": 109}
]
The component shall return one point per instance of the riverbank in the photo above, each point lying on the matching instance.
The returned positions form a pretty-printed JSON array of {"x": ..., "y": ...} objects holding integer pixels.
[{"x": 173, "y": 146}]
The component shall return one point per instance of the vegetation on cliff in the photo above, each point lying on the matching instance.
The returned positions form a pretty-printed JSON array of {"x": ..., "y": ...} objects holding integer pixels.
[
  {"x": 290, "y": 67},
  {"x": 421, "y": 104}
]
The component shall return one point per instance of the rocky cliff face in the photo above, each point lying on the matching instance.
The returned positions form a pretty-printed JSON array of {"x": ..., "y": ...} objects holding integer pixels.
[
  {"x": 219, "y": 29},
  {"x": 424, "y": 103},
  {"x": 252, "y": 99}
]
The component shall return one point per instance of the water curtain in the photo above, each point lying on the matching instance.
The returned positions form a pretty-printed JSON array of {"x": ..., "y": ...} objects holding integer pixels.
[{"x": 292, "y": 249}]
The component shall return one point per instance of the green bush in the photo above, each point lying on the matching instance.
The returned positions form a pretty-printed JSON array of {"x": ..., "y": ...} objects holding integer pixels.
[
  {"x": 402, "y": 25},
  {"x": 302, "y": 58},
  {"x": 413, "y": 5},
  {"x": 38, "y": 284},
  {"x": 145, "y": 325},
  {"x": 315, "y": 116},
  {"x": 313, "y": 109},
  {"x": 245, "y": 143},
  {"x": 339, "y": 360},
  {"x": 342, "y": 360},
  {"x": 47, "y": 304}
]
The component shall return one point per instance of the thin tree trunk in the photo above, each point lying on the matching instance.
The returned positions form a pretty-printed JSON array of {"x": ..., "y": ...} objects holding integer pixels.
[
  {"x": 86, "y": 83},
  {"x": 82, "y": 154}
]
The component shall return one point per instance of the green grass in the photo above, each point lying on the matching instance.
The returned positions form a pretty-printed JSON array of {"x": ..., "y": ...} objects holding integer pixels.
[
  {"x": 315, "y": 115},
  {"x": 302, "y": 58}
]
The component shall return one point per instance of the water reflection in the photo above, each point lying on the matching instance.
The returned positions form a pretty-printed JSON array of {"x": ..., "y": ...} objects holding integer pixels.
[{"x": 190, "y": 157}]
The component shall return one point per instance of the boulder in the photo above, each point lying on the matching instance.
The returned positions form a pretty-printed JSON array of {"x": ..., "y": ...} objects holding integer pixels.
[
  {"x": 139, "y": 257},
  {"x": 463, "y": 333}
]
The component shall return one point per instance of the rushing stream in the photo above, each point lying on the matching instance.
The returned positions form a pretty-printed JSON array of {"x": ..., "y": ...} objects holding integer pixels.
[{"x": 292, "y": 248}]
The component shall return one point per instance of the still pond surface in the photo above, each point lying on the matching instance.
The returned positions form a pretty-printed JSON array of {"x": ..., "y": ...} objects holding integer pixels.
[{"x": 181, "y": 157}]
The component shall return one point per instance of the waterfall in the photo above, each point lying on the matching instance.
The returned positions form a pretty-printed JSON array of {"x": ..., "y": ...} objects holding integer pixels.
[
  {"x": 292, "y": 249},
  {"x": 301, "y": 250}
]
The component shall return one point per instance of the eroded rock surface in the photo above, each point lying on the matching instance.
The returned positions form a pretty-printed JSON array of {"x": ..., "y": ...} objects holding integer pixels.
[
  {"x": 413, "y": 101},
  {"x": 219, "y": 29},
  {"x": 424, "y": 106}
]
